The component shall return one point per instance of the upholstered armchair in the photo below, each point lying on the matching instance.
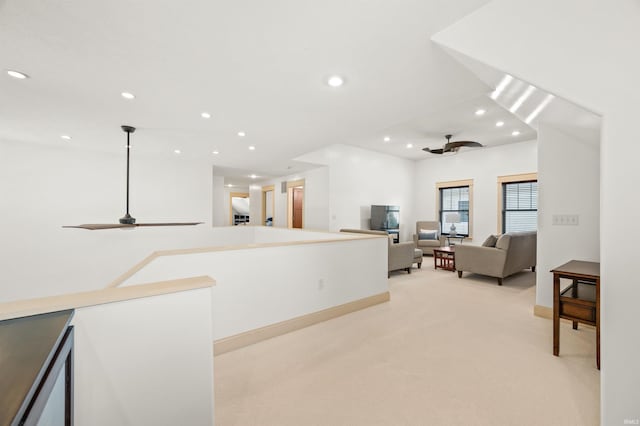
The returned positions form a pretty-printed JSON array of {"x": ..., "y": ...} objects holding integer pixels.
[
  {"x": 401, "y": 256},
  {"x": 428, "y": 240}
]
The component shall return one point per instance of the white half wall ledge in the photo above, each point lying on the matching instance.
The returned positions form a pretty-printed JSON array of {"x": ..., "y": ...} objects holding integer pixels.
[
  {"x": 42, "y": 305},
  {"x": 262, "y": 284}
]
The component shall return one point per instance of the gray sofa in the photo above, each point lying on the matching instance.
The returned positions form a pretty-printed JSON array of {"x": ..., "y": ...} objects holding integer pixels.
[
  {"x": 513, "y": 252},
  {"x": 401, "y": 255},
  {"x": 427, "y": 246}
]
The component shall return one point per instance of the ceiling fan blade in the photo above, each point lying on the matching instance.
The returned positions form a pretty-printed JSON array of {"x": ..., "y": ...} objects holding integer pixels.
[
  {"x": 452, "y": 145},
  {"x": 434, "y": 151},
  {"x": 169, "y": 224},
  {"x": 99, "y": 226}
]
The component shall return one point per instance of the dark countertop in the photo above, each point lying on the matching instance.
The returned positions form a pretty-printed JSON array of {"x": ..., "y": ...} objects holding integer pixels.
[{"x": 26, "y": 348}]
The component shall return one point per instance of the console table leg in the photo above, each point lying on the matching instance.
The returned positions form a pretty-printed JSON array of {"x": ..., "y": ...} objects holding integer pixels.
[
  {"x": 556, "y": 314},
  {"x": 598, "y": 323}
]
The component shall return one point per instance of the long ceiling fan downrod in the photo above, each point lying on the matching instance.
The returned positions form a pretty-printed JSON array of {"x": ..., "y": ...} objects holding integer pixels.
[{"x": 127, "y": 219}]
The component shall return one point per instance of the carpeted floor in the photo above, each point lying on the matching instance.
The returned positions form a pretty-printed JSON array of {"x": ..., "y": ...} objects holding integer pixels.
[{"x": 443, "y": 351}]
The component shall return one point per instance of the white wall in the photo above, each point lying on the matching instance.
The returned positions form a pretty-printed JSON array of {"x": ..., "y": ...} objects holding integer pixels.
[
  {"x": 569, "y": 182},
  {"x": 255, "y": 205},
  {"x": 145, "y": 361},
  {"x": 593, "y": 64},
  {"x": 44, "y": 188},
  {"x": 483, "y": 166},
  {"x": 259, "y": 286},
  {"x": 359, "y": 178},
  {"x": 218, "y": 213}
]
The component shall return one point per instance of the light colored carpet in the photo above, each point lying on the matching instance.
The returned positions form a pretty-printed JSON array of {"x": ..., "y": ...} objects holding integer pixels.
[{"x": 443, "y": 351}]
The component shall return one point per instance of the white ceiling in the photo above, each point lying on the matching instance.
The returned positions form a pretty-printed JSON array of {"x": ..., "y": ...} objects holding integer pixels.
[{"x": 258, "y": 67}]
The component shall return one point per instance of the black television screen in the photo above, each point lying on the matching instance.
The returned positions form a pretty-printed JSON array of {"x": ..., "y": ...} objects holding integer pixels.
[{"x": 385, "y": 217}]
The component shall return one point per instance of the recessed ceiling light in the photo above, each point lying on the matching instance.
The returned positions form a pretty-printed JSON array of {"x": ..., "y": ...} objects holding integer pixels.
[
  {"x": 127, "y": 95},
  {"x": 253, "y": 176},
  {"x": 252, "y": 148},
  {"x": 17, "y": 74},
  {"x": 387, "y": 139},
  {"x": 500, "y": 124},
  {"x": 216, "y": 152},
  {"x": 229, "y": 185},
  {"x": 515, "y": 133},
  {"x": 409, "y": 145},
  {"x": 242, "y": 134},
  {"x": 177, "y": 151},
  {"x": 335, "y": 81},
  {"x": 66, "y": 137},
  {"x": 205, "y": 115},
  {"x": 480, "y": 112}
]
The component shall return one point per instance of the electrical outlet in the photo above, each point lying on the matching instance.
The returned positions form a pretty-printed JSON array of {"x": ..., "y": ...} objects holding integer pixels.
[{"x": 320, "y": 283}]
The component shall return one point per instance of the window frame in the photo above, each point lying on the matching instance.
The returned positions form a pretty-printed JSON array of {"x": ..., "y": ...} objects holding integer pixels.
[
  {"x": 449, "y": 185},
  {"x": 518, "y": 178}
]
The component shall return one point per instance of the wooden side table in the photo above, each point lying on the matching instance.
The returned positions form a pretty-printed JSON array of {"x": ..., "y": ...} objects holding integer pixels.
[
  {"x": 444, "y": 258},
  {"x": 578, "y": 302},
  {"x": 457, "y": 237}
]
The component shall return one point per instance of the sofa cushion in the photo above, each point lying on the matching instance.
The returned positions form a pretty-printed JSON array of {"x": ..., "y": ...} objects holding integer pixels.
[
  {"x": 428, "y": 234},
  {"x": 490, "y": 241},
  {"x": 503, "y": 241}
]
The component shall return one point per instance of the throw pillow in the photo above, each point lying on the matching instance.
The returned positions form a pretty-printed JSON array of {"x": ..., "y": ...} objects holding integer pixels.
[
  {"x": 503, "y": 241},
  {"x": 428, "y": 234},
  {"x": 490, "y": 241}
]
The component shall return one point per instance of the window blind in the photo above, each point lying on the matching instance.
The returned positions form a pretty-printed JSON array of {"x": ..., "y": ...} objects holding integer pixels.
[
  {"x": 454, "y": 200},
  {"x": 520, "y": 206}
]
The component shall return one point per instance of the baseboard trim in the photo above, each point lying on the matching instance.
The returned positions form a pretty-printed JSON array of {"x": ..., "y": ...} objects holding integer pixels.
[
  {"x": 543, "y": 311},
  {"x": 247, "y": 338}
]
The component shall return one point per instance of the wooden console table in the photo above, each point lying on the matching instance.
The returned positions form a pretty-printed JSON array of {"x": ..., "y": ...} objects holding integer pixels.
[
  {"x": 444, "y": 258},
  {"x": 578, "y": 302}
]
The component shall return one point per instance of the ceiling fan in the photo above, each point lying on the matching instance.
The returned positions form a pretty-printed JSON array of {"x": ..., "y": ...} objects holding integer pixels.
[
  {"x": 452, "y": 146},
  {"x": 127, "y": 221}
]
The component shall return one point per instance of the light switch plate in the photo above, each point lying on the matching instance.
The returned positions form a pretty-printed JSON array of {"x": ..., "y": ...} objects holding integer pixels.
[{"x": 566, "y": 219}]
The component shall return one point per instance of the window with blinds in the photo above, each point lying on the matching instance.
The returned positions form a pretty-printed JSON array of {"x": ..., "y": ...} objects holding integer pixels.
[
  {"x": 519, "y": 206},
  {"x": 454, "y": 205}
]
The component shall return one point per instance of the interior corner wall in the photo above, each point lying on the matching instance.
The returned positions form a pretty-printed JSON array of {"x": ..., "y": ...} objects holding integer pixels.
[
  {"x": 46, "y": 187},
  {"x": 569, "y": 183},
  {"x": 599, "y": 71},
  {"x": 218, "y": 215},
  {"x": 483, "y": 166},
  {"x": 255, "y": 205}
]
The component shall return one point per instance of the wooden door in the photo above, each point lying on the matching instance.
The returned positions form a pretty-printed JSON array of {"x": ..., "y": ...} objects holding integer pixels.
[{"x": 298, "y": 195}]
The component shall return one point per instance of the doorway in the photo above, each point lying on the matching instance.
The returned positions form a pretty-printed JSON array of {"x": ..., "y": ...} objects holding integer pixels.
[
  {"x": 268, "y": 206},
  {"x": 239, "y": 208},
  {"x": 295, "y": 204}
]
